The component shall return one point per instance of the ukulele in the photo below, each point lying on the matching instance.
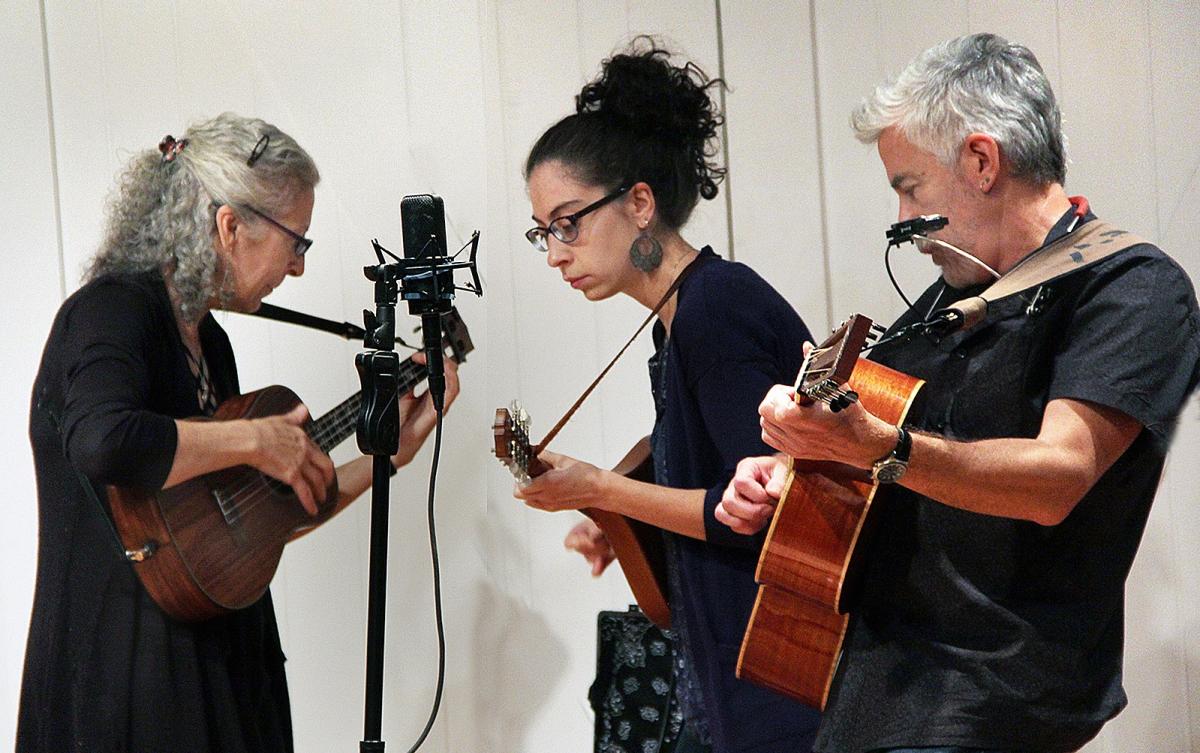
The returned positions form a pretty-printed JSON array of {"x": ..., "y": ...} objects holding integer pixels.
[
  {"x": 638, "y": 545},
  {"x": 811, "y": 560},
  {"x": 211, "y": 545}
]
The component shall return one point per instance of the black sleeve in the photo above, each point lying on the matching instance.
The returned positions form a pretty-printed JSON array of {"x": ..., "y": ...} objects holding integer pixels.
[
  {"x": 1133, "y": 341},
  {"x": 739, "y": 344},
  {"x": 109, "y": 434}
]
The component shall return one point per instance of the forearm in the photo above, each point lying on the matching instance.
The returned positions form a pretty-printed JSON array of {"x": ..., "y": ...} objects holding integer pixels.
[
  {"x": 677, "y": 510},
  {"x": 1026, "y": 479},
  {"x": 206, "y": 446},
  {"x": 353, "y": 479}
]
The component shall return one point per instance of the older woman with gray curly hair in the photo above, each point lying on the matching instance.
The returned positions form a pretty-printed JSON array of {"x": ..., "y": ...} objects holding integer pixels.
[{"x": 214, "y": 220}]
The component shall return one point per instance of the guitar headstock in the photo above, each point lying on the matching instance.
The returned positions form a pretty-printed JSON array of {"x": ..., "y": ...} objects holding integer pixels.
[
  {"x": 828, "y": 366},
  {"x": 510, "y": 436}
]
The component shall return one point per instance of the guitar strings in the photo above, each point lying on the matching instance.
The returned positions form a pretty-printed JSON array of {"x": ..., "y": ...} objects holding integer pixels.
[{"x": 257, "y": 488}]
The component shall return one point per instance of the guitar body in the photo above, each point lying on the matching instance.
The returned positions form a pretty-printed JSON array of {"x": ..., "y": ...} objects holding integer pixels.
[
  {"x": 811, "y": 559},
  {"x": 638, "y": 546},
  {"x": 212, "y": 544}
]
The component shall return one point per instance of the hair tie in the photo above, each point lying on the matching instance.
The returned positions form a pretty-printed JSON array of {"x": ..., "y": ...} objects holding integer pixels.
[
  {"x": 263, "y": 142},
  {"x": 171, "y": 148}
]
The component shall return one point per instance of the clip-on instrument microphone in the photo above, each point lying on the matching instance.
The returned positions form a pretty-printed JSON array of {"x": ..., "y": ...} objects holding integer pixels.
[{"x": 966, "y": 313}]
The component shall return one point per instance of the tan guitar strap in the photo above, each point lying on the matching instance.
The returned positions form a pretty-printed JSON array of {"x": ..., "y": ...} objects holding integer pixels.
[
  {"x": 654, "y": 312},
  {"x": 1092, "y": 242}
]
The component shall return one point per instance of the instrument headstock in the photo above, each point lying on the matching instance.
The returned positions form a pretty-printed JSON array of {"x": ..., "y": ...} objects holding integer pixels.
[
  {"x": 828, "y": 366},
  {"x": 511, "y": 444}
]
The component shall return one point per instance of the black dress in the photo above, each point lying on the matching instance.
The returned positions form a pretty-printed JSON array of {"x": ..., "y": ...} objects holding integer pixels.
[{"x": 105, "y": 668}]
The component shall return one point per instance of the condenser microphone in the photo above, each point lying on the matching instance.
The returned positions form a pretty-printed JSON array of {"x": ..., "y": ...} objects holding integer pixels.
[{"x": 428, "y": 282}]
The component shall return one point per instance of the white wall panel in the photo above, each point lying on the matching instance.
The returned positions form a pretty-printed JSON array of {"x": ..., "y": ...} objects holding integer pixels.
[
  {"x": 774, "y": 152},
  {"x": 30, "y": 292}
]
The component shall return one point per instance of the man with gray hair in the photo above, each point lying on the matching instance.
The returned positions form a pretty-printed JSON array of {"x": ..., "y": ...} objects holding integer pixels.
[{"x": 991, "y": 612}]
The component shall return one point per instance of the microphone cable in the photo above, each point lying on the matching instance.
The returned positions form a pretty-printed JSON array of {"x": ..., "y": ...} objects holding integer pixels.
[
  {"x": 887, "y": 264},
  {"x": 437, "y": 588}
]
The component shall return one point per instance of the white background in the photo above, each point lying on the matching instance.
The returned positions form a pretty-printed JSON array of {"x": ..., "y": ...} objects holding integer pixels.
[{"x": 405, "y": 97}]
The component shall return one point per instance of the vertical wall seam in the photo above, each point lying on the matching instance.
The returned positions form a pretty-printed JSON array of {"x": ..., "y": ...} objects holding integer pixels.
[
  {"x": 52, "y": 138},
  {"x": 524, "y": 567},
  {"x": 724, "y": 133},
  {"x": 1149, "y": 73},
  {"x": 1058, "y": 51},
  {"x": 1180, "y": 608},
  {"x": 823, "y": 207}
]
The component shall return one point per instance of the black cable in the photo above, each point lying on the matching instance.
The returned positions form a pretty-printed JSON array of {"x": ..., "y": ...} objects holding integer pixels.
[
  {"x": 887, "y": 264},
  {"x": 437, "y": 590}
]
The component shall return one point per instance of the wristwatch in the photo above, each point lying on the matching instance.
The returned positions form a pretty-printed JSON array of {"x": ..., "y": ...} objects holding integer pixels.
[{"x": 889, "y": 468}]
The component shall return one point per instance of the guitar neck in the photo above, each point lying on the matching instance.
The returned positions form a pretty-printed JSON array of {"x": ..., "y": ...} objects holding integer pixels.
[{"x": 340, "y": 422}]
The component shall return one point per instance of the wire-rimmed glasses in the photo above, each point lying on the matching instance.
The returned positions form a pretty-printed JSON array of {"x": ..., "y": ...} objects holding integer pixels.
[{"x": 302, "y": 243}]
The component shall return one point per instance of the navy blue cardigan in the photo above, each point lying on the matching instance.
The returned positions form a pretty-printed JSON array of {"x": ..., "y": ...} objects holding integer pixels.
[{"x": 732, "y": 337}]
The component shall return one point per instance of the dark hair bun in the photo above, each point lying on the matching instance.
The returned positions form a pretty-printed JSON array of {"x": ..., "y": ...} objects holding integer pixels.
[
  {"x": 642, "y": 119},
  {"x": 640, "y": 90}
]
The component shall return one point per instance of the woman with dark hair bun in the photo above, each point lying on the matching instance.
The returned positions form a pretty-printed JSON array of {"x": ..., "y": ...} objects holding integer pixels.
[{"x": 611, "y": 187}]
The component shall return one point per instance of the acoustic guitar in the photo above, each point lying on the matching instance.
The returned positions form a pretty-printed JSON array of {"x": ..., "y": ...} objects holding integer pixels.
[
  {"x": 638, "y": 546},
  {"x": 211, "y": 545},
  {"x": 811, "y": 560}
]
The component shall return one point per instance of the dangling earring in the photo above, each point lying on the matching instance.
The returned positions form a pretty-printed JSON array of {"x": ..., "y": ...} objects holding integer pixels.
[{"x": 646, "y": 251}]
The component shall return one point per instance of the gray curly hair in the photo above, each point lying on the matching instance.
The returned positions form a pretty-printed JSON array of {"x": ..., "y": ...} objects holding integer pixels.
[
  {"x": 162, "y": 214},
  {"x": 980, "y": 83}
]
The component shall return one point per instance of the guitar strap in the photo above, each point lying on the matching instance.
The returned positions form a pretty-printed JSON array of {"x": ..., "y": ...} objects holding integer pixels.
[
  {"x": 653, "y": 312},
  {"x": 341, "y": 329},
  {"x": 1092, "y": 242}
]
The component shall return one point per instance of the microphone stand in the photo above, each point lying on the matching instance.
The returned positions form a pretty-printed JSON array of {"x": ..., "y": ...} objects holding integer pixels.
[
  {"x": 378, "y": 435},
  {"x": 428, "y": 286}
]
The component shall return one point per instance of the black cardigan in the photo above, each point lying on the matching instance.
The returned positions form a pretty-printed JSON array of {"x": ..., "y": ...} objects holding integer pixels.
[
  {"x": 105, "y": 668},
  {"x": 732, "y": 337}
]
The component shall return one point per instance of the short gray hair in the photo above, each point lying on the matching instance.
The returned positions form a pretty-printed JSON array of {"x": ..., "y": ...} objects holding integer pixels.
[
  {"x": 162, "y": 214},
  {"x": 980, "y": 83}
]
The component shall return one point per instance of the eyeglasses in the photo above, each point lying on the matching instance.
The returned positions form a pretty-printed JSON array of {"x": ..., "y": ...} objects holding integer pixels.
[
  {"x": 566, "y": 228},
  {"x": 302, "y": 243}
]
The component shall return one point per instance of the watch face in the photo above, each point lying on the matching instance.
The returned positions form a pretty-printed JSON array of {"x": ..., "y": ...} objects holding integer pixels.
[{"x": 889, "y": 471}]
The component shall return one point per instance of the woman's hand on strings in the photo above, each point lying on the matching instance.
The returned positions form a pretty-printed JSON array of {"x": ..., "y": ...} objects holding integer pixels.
[
  {"x": 569, "y": 484},
  {"x": 284, "y": 451}
]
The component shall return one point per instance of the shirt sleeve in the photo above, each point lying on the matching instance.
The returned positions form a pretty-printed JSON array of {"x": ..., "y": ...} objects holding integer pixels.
[
  {"x": 1132, "y": 343},
  {"x": 109, "y": 432},
  {"x": 744, "y": 339}
]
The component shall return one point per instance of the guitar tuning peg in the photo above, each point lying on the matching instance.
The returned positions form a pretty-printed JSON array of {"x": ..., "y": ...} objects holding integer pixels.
[{"x": 843, "y": 400}]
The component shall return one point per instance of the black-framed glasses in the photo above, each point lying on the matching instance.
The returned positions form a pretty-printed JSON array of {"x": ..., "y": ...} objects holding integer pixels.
[
  {"x": 302, "y": 243},
  {"x": 566, "y": 228}
]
